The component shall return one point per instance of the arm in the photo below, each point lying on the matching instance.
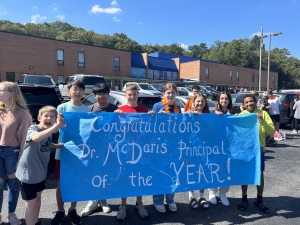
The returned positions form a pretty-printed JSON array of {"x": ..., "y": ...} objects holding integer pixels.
[
  {"x": 267, "y": 123},
  {"x": 60, "y": 123},
  {"x": 22, "y": 131}
]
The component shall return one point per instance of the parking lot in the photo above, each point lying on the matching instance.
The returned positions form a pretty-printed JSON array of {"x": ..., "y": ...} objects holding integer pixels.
[{"x": 281, "y": 196}]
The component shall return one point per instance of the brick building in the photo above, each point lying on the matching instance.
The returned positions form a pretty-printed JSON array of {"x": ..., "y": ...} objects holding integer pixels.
[{"x": 21, "y": 54}]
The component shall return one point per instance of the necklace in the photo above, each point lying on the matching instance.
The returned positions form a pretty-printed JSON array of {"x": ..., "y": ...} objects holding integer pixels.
[{"x": 167, "y": 107}]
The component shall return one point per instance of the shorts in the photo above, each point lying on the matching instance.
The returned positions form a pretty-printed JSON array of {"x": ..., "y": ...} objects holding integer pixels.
[
  {"x": 28, "y": 191},
  {"x": 276, "y": 117},
  {"x": 57, "y": 170},
  {"x": 262, "y": 161}
]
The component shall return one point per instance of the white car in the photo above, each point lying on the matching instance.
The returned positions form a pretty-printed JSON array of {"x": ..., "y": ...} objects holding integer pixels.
[
  {"x": 145, "y": 88},
  {"x": 186, "y": 90},
  {"x": 182, "y": 100}
]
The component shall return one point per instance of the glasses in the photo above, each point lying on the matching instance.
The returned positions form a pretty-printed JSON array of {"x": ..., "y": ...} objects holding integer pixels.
[
  {"x": 102, "y": 94},
  {"x": 1, "y": 91}
]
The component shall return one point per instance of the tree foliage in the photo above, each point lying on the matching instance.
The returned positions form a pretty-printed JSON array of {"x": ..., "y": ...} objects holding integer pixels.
[{"x": 241, "y": 52}]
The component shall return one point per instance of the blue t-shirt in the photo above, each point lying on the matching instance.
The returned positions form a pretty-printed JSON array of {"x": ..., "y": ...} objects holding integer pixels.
[
  {"x": 159, "y": 106},
  {"x": 68, "y": 107}
]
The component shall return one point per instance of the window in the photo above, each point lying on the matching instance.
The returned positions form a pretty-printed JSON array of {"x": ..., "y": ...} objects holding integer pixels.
[
  {"x": 133, "y": 72},
  {"x": 10, "y": 76},
  {"x": 60, "y": 57},
  {"x": 117, "y": 64},
  {"x": 141, "y": 73},
  {"x": 230, "y": 74},
  {"x": 237, "y": 76},
  {"x": 150, "y": 74},
  {"x": 80, "y": 59},
  {"x": 169, "y": 75},
  {"x": 60, "y": 78},
  {"x": 156, "y": 75},
  {"x": 253, "y": 77},
  {"x": 175, "y": 76},
  {"x": 207, "y": 72}
]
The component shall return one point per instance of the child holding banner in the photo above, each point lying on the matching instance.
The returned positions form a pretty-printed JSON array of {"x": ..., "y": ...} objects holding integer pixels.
[
  {"x": 76, "y": 90},
  {"x": 223, "y": 106},
  {"x": 200, "y": 106},
  {"x": 266, "y": 126},
  {"x": 131, "y": 95},
  {"x": 167, "y": 105},
  {"x": 32, "y": 168},
  {"x": 101, "y": 94}
]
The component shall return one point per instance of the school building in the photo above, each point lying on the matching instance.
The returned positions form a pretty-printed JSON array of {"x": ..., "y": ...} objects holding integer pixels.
[{"x": 22, "y": 54}]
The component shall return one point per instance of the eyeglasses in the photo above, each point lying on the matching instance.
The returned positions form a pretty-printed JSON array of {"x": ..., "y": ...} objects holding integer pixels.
[
  {"x": 4, "y": 90},
  {"x": 102, "y": 94}
]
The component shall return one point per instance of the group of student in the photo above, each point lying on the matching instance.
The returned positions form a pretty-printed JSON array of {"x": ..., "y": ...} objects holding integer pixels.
[{"x": 25, "y": 148}]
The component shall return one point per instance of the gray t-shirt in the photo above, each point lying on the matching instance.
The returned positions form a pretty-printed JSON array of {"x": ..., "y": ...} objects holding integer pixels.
[
  {"x": 33, "y": 164},
  {"x": 110, "y": 108}
]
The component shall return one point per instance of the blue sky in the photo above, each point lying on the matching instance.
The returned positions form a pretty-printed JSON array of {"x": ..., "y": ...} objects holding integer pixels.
[{"x": 169, "y": 21}]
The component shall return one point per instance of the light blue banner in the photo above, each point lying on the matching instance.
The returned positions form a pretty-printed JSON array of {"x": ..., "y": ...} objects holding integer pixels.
[{"x": 107, "y": 155}]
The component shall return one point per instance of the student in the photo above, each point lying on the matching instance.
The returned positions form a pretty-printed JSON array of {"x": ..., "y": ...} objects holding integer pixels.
[
  {"x": 15, "y": 120},
  {"x": 101, "y": 94},
  {"x": 167, "y": 105},
  {"x": 223, "y": 106},
  {"x": 189, "y": 104},
  {"x": 32, "y": 168},
  {"x": 200, "y": 106},
  {"x": 76, "y": 90},
  {"x": 131, "y": 95},
  {"x": 275, "y": 114},
  {"x": 292, "y": 114},
  {"x": 266, "y": 126}
]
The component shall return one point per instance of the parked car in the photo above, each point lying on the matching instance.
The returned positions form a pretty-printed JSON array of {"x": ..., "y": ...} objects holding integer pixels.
[
  {"x": 41, "y": 80},
  {"x": 37, "y": 96},
  {"x": 118, "y": 98},
  {"x": 211, "y": 91},
  {"x": 88, "y": 80},
  {"x": 284, "y": 108},
  {"x": 145, "y": 88},
  {"x": 158, "y": 86},
  {"x": 182, "y": 100}
]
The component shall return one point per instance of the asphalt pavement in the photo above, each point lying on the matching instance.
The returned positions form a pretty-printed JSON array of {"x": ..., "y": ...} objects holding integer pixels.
[{"x": 281, "y": 195}]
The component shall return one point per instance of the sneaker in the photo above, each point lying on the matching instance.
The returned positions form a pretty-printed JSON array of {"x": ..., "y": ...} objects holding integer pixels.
[
  {"x": 59, "y": 216},
  {"x": 173, "y": 207},
  {"x": 121, "y": 215},
  {"x": 141, "y": 210},
  {"x": 13, "y": 219},
  {"x": 278, "y": 138},
  {"x": 294, "y": 132},
  {"x": 105, "y": 207},
  {"x": 160, "y": 208},
  {"x": 90, "y": 207},
  {"x": 224, "y": 200},
  {"x": 212, "y": 198},
  {"x": 75, "y": 219}
]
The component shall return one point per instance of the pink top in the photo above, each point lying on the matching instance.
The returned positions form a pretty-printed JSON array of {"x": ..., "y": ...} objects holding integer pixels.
[{"x": 13, "y": 130}]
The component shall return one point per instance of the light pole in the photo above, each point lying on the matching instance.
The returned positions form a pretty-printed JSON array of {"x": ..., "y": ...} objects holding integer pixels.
[
  {"x": 260, "y": 47},
  {"x": 270, "y": 34}
]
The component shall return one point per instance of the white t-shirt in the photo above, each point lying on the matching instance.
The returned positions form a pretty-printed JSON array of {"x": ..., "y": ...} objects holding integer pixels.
[{"x": 274, "y": 103}]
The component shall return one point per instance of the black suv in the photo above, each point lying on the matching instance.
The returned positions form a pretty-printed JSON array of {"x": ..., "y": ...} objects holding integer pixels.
[{"x": 284, "y": 108}]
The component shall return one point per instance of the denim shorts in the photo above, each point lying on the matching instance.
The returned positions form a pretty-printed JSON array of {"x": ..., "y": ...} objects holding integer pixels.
[{"x": 8, "y": 160}]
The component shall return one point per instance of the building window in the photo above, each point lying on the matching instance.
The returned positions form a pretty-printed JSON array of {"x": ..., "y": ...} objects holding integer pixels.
[
  {"x": 252, "y": 77},
  {"x": 117, "y": 64},
  {"x": 81, "y": 59},
  {"x": 207, "y": 72},
  {"x": 175, "y": 76},
  {"x": 156, "y": 74},
  {"x": 237, "y": 76},
  {"x": 230, "y": 74},
  {"x": 60, "y": 57},
  {"x": 141, "y": 73},
  {"x": 169, "y": 75},
  {"x": 134, "y": 72},
  {"x": 10, "y": 76},
  {"x": 60, "y": 79},
  {"x": 150, "y": 74}
]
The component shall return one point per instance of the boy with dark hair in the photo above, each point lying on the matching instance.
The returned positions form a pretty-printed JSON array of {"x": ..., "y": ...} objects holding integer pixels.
[
  {"x": 292, "y": 114},
  {"x": 265, "y": 126},
  {"x": 190, "y": 103},
  {"x": 101, "y": 94},
  {"x": 76, "y": 89},
  {"x": 32, "y": 168}
]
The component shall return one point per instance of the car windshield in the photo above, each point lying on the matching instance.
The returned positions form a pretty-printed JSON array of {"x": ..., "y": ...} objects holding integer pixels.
[
  {"x": 146, "y": 87},
  {"x": 233, "y": 97},
  {"x": 210, "y": 88},
  {"x": 39, "y": 80},
  {"x": 35, "y": 96},
  {"x": 92, "y": 80}
]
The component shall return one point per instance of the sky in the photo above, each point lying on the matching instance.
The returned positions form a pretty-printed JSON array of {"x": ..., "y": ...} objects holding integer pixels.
[{"x": 165, "y": 22}]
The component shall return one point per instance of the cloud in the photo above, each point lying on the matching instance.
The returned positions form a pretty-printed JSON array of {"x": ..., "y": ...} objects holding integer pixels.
[
  {"x": 116, "y": 20},
  {"x": 184, "y": 46},
  {"x": 60, "y": 17},
  {"x": 55, "y": 9},
  {"x": 140, "y": 23},
  {"x": 114, "y": 3},
  {"x": 112, "y": 10},
  {"x": 34, "y": 7},
  {"x": 4, "y": 13},
  {"x": 36, "y": 17}
]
